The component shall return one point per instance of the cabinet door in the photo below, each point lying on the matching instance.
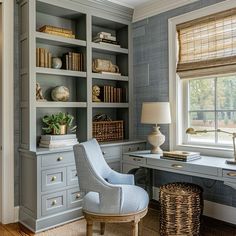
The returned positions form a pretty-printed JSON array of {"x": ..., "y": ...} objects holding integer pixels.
[{"x": 74, "y": 197}]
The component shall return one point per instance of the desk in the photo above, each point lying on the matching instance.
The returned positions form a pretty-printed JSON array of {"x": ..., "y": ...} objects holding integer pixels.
[{"x": 206, "y": 167}]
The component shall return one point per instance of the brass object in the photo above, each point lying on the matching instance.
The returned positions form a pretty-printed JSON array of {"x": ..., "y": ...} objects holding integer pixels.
[
  {"x": 232, "y": 174},
  {"x": 78, "y": 195},
  {"x": 63, "y": 130},
  {"x": 53, "y": 178},
  {"x": 177, "y": 166},
  {"x": 59, "y": 158},
  {"x": 181, "y": 209},
  {"x": 54, "y": 202}
]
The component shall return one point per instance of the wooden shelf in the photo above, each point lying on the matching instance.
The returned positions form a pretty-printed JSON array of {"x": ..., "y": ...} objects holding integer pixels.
[
  {"x": 109, "y": 49},
  {"x": 110, "y": 77},
  {"x": 58, "y": 40},
  {"x": 62, "y": 104},
  {"x": 50, "y": 71},
  {"x": 110, "y": 105}
]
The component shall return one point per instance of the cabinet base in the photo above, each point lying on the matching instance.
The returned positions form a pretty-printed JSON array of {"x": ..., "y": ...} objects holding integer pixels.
[{"x": 45, "y": 223}]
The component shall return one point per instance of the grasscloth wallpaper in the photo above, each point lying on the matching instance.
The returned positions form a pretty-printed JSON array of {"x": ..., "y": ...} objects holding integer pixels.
[{"x": 150, "y": 43}]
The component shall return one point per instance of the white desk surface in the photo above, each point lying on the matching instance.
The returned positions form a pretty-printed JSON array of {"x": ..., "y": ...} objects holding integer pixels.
[{"x": 207, "y": 161}]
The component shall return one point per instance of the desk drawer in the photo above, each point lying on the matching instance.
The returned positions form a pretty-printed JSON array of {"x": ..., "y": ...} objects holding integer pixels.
[
  {"x": 75, "y": 197},
  {"x": 134, "y": 147},
  {"x": 72, "y": 177},
  {"x": 229, "y": 174},
  {"x": 134, "y": 160},
  {"x": 53, "y": 179},
  {"x": 53, "y": 203},
  {"x": 55, "y": 159},
  {"x": 183, "y": 166},
  {"x": 111, "y": 151}
]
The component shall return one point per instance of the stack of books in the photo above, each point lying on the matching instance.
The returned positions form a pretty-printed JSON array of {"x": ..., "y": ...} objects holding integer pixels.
[
  {"x": 58, "y": 141},
  {"x": 43, "y": 58},
  {"x": 57, "y": 31},
  {"x": 181, "y": 156},
  {"x": 72, "y": 61},
  {"x": 111, "y": 94},
  {"x": 105, "y": 38}
]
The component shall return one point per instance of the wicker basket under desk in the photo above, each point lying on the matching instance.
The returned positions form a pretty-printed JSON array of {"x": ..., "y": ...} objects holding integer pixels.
[{"x": 108, "y": 130}]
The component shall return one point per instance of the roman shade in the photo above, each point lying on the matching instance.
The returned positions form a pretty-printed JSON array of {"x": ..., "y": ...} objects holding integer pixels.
[{"x": 207, "y": 45}]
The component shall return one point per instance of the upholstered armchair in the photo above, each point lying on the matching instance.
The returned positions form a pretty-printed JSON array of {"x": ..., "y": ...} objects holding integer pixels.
[{"x": 109, "y": 195}]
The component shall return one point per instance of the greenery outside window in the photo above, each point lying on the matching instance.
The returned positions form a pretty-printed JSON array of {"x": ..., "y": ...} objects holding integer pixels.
[{"x": 211, "y": 104}]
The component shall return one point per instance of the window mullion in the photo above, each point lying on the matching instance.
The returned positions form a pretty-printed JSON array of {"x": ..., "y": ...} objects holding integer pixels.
[{"x": 215, "y": 106}]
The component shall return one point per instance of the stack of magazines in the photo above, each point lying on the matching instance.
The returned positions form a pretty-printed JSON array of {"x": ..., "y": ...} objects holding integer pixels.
[
  {"x": 181, "y": 156},
  {"x": 105, "y": 38},
  {"x": 58, "y": 141}
]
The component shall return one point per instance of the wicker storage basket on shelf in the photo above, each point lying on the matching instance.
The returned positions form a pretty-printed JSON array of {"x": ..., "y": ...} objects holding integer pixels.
[
  {"x": 181, "y": 209},
  {"x": 108, "y": 130}
]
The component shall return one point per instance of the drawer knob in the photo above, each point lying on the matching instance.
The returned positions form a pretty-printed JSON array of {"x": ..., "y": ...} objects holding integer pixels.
[
  {"x": 78, "y": 196},
  {"x": 76, "y": 175},
  {"x": 129, "y": 149},
  {"x": 59, "y": 158},
  {"x": 231, "y": 174},
  {"x": 177, "y": 166},
  {"x": 53, "y": 178},
  {"x": 54, "y": 202},
  {"x": 136, "y": 159},
  {"x": 103, "y": 153}
]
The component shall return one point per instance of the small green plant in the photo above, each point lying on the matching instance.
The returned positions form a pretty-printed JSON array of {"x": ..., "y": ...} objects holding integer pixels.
[{"x": 54, "y": 122}]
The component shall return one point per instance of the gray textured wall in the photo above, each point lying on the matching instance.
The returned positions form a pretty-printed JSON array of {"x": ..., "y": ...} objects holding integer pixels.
[{"x": 150, "y": 41}]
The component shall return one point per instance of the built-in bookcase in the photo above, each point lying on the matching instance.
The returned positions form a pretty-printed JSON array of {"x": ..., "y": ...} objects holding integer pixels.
[{"x": 85, "y": 25}]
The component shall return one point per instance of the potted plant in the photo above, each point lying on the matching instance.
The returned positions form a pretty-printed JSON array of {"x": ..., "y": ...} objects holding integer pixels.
[{"x": 58, "y": 123}]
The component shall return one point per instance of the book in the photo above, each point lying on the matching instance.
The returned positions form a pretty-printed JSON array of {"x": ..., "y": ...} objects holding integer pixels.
[
  {"x": 37, "y": 57},
  {"x": 182, "y": 154},
  {"x": 109, "y": 73},
  {"x": 102, "y": 36},
  {"x": 66, "y": 35},
  {"x": 105, "y": 41},
  {"x": 56, "y": 145},
  {"x": 58, "y": 142},
  {"x": 184, "y": 159},
  {"x": 48, "y": 137},
  {"x": 104, "y": 33},
  {"x": 54, "y": 28}
]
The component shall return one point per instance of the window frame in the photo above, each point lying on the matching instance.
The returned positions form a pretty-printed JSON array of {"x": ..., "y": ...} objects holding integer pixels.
[{"x": 176, "y": 86}]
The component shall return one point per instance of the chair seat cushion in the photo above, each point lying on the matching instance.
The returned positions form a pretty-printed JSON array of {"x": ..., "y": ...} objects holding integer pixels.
[{"x": 134, "y": 199}]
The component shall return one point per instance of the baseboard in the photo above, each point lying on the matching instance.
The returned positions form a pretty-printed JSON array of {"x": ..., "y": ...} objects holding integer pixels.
[
  {"x": 211, "y": 209},
  {"x": 16, "y": 214}
]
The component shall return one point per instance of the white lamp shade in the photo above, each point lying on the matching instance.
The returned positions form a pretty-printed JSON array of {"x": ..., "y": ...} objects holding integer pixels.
[{"x": 156, "y": 113}]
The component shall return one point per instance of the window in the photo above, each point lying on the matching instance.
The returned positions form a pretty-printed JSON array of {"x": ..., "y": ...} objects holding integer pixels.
[{"x": 211, "y": 105}]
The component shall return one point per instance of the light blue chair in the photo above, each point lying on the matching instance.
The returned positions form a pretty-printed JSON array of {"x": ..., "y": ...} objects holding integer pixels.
[{"x": 109, "y": 195}]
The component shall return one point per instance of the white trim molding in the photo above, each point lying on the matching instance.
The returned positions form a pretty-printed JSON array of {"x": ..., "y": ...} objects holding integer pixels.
[
  {"x": 175, "y": 86},
  {"x": 156, "y": 7},
  {"x": 7, "y": 161}
]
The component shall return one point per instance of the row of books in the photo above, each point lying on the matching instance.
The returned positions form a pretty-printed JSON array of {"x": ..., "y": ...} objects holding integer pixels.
[
  {"x": 58, "y": 141},
  {"x": 72, "y": 61},
  {"x": 181, "y": 156},
  {"x": 112, "y": 94},
  {"x": 43, "y": 58},
  {"x": 57, "y": 31}
]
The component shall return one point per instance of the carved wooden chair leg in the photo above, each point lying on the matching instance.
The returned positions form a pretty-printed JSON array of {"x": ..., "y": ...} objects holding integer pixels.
[
  {"x": 140, "y": 227},
  {"x": 134, "y": 228},
  {"x": 102, "y": 228},
  {"x": 89, "y": 228}
]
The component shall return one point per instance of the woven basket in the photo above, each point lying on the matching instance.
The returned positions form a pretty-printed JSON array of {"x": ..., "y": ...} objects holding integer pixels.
[
  {"x": 108, "y": 130},
  {"x": 181, "y": 209}
]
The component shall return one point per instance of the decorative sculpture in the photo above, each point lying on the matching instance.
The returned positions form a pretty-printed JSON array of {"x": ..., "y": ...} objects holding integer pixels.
[
  {"x": 96, "y": 94},
  {"x": 60, "y": 94},
  {"x": 39, "y": 93}
]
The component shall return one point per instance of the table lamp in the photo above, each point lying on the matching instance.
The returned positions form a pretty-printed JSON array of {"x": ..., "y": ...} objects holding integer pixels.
[
  {"x": 156, "y": 113},
  {"x": 193, "y": 131}
]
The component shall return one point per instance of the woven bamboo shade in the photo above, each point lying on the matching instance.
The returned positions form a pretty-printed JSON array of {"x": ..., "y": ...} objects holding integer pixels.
[{"x": 207, "y": 46}]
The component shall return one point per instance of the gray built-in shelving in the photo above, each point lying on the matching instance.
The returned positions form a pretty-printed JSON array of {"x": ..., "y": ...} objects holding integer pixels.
[{"x": 49, "y": 190}]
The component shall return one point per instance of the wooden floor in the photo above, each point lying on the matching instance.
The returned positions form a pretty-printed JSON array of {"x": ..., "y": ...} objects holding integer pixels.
[{"x": 209, "y": 227}]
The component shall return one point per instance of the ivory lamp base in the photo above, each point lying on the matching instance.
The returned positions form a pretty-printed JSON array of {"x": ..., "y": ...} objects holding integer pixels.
[{"x": 156, "y": 139}]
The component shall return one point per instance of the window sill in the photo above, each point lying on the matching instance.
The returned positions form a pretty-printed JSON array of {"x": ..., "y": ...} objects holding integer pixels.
[{"x": 207, "y": 151}]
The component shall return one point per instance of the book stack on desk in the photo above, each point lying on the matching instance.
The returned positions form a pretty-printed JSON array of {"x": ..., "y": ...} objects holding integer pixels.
[{"x": 181, "y": 156}]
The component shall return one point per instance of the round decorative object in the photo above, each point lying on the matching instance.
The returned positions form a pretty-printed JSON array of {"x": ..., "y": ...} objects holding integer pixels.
[
  {"x": 56, "y": 63},
  {"x": 60, "y": 94}
]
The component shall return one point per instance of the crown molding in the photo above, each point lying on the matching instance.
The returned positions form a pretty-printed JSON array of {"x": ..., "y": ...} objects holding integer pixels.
[{"x": 156, "y": 7}]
